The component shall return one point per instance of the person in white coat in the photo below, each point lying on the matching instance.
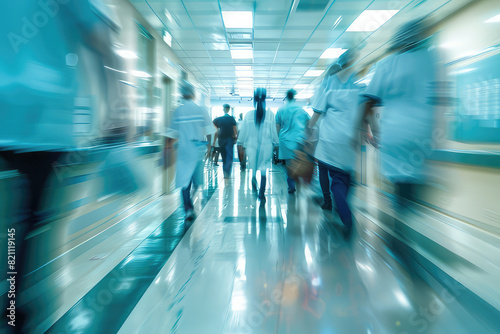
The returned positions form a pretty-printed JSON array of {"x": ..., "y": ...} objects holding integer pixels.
[
  {"x": 190, "y": 126},
  {"x": 258, "y": 135},
  {"x": 338, "y": 105}
]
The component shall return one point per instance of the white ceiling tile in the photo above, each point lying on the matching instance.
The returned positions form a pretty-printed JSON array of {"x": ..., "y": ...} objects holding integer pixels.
[
  {"x": 265, "y": 46},
  {"x": 196, "y": 54},
  {"x": 263, "y": 34},
  {"x": 216, "y": 46}
]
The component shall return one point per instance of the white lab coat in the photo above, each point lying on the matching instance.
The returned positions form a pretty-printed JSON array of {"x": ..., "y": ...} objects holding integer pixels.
[
  {"x": 402, "y": 84},
  {"x": 190, "y": 124},
  {"x": 259, "y": 140},
  {"x": 338, "y": 103}
]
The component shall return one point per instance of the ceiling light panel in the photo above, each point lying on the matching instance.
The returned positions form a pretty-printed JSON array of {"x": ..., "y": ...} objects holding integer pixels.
[
  {"x": 237, "y": 19},
  {"x": 313, "y": 73},
  {"x": 371, "y": 20},
  {"x": 244, "y": 73},
  {"x": 333, "y": 53},
  {"x": 243, "y": 68},
  {"x": 242, "y": 54}
]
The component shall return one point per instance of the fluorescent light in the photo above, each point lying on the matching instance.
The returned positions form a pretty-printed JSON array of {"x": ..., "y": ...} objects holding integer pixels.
[
  {"x": 304, "y": 96},
  {"x": 300, "y": 86},
  {"x": 141, "y": 74},
  {"x": 243, "y": 68},
  {"x": 494, "y": 19},
  {"x": 371, "y": 20},
  {"x": 167, "y": 38},
  {"x": 237, "y": 19},
  {"x": 114, "y": 69},
  {"x": 245, "y": 79},
  {"x": 464, "y": 70},
  {"x": 127, "y": 54},
  {"x": 246, "y": 92},
  {"x": 245, "y": 87},
  {"x": 333, "y": 53},
  {"x": 244, "y": 74},
  {"x": 241, "y": 54},
  {"x": 313, "y": 73}
]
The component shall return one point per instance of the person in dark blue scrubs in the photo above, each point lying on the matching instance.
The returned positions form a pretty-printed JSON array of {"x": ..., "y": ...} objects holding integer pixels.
[{"x": 227, "y": 136}]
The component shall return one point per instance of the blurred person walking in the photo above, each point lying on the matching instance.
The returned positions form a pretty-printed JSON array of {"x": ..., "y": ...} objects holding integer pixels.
[
  {"x": 291, "y": 122},
  {"x": 227, "y": 133},
  {"x": 242, "y": 156},
  {"x": 337, "y": 102},
  {"x": 403, "y": 84},
  {"x": 258, "y": 135},
  {"x": 190, "y": 126},
  {"x": 42, "y": 73}
]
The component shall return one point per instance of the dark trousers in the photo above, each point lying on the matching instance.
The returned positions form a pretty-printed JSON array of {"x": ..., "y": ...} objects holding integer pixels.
[
  {"x": 36, "y": 168},
  {"x": 227, "y": 147},
  {"x": 339, "y": 187},
  {"x": 186, "y": 197},
  {"x": 289, "y": 180},
  {"x": 324, "y": 182},
  {"x": 242, "y": 156}
]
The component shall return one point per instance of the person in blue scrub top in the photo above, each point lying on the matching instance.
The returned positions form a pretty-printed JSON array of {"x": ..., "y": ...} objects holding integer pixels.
[
  {"x": 291, "y": 122},
  {"x": 190, "y": 127},
  {"x": 258, "y": 135},
  {"x": 227, "y": 134},
  {"x": 337, "y": 103}
]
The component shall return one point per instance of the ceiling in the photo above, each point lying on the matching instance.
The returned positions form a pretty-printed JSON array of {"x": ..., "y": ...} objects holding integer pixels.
[{"x": 288, "y": 37}]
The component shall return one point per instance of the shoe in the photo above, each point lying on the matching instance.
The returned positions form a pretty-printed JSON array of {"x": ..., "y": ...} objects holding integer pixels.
[
  {"x": 190, "y": 215},
  {"x": 291, "y": 191},
  {"x": 262, "y": 198},
  {"x": 254, "y": 185},
  {"x": 347, "y": 232},
  {"x": 327, "y": 206}
]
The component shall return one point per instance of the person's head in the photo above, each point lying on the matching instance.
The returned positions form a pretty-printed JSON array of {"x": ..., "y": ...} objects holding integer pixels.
[
  {"x": 290, "y": 95},
  {"x": 347, "y": 58},
  {"x": 187, "y": 91},
  {"x": 411, "y": 35},
  {"x": 241, "y": 116},
  {"x": 259, "y": 101},
  {"x": 226, "y": 108}
]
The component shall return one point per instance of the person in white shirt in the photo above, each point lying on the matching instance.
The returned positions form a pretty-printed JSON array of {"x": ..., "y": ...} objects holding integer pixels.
[
  {"x": 338, "y": 102},
  {"x": 190, "y": 126}
]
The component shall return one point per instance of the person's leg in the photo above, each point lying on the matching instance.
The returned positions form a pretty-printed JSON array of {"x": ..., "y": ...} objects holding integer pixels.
[
  {"x": 228, "y": 163},
  {"x": 324, "y": 182},
  {"x": 186, "y": 197},
  {"x": 289, "y": 180},
  {"x": 262, "y": 189},
  {"x": 242, "y": 157},
  {"x": 340, "y": 187}
]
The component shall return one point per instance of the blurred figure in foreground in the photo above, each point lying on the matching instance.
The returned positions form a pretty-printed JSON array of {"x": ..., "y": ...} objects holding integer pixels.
[
  {"x": 43, "y": 49},
  {"x": 403, "y": 84},
  {"x": 291, "y": 121},
  {"x": 334, "y": 152},
  {"x": 258, "y": 135},
  {"x": 227, "y": 134},
  {"x": 242, "y": 156},
  {"x": 190, "y": 126}
]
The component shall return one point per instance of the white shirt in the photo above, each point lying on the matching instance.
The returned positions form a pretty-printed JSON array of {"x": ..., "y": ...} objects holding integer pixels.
[{"x": 338, "y": 102}]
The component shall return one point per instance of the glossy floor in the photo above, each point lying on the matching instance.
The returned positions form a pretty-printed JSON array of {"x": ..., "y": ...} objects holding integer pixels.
[{"x": 249, "y": 267}]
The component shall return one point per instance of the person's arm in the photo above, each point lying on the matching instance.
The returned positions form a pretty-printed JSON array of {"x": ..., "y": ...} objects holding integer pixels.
[
  {"x": 215, "y": 137},
  {"x": 278, "y": 128},
  {"x": 235, "y": 132},
  {"x": 314, "y": 119}
]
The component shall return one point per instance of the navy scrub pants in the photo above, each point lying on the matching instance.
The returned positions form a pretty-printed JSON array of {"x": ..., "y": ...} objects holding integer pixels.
[
  {"x": 340, "y": 183},
  {"x": 227, "y": 150}
]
